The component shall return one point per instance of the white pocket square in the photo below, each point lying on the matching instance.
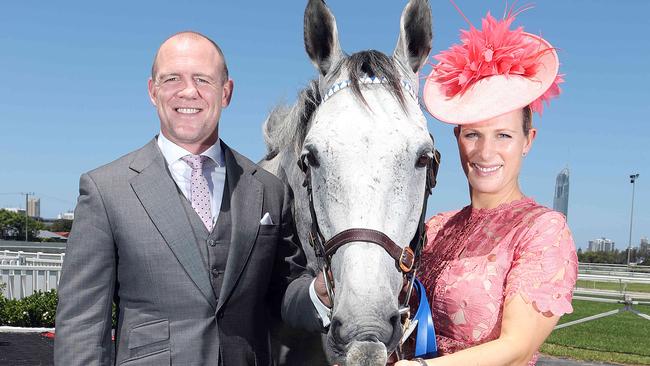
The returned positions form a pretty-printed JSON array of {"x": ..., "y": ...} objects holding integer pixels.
[{"x": 266, "y": 219}]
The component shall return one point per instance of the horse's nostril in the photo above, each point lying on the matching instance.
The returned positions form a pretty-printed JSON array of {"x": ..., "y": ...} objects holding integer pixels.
[
  {"x": 396, "y": 322},
  {"x": 335, "y": 330}
]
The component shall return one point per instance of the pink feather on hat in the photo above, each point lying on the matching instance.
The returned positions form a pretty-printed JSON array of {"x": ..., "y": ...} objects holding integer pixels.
[{"x": 495, "y": 50}]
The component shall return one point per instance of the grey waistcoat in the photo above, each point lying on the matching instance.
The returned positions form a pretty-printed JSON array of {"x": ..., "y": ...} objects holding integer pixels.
[{"x": 213, "y": 245}]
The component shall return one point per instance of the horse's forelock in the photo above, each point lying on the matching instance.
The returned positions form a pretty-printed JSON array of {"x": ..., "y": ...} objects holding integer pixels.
[{"x": 373, "y": 63}]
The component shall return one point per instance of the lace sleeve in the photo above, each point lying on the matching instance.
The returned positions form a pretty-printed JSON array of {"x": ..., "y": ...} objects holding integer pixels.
[{"x": 545, "y": 265}]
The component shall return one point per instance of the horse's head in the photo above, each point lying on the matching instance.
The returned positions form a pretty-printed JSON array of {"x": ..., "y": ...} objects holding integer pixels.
[{"x": 367, "y": 150}]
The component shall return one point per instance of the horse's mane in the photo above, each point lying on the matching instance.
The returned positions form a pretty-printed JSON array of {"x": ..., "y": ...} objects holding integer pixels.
[{"x": 288, "y": 125}]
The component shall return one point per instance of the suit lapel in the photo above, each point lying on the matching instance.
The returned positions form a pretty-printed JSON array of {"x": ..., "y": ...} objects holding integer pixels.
[
  {"x": 158, "y": 194},
  {"x": 246, "y": 206}
]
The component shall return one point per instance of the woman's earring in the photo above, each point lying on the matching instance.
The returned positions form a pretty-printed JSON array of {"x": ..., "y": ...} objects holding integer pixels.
[{"x": 523, "y": 154}]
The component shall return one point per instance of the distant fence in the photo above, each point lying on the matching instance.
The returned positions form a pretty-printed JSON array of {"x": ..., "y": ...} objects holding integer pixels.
[
  {"x": 614, "y": 269},
  {"x": 24, "y": 273},
  {"x": 612, "y": 273}
]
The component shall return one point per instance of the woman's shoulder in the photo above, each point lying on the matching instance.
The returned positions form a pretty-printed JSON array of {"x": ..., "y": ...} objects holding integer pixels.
[
  {"x": 539, "y": 217},
  {"x": 437, "y": 221},
  {"x": 533, "y": 214}
]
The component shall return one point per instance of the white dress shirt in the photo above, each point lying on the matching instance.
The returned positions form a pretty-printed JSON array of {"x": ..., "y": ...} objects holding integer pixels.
[
  {"x": 323, "y": 311},
  {"x": 214, "y": 170}
]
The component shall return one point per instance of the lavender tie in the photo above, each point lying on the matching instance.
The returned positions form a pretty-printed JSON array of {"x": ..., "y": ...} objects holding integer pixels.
[{"x": 201, "y": 202}]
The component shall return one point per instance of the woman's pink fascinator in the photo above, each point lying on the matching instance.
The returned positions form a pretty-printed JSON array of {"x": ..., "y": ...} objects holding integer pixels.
[{"x": 493, "y": 71}]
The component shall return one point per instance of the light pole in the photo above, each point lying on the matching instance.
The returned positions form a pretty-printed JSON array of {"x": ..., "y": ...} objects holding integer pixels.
[{"x": 633, "y": 178}]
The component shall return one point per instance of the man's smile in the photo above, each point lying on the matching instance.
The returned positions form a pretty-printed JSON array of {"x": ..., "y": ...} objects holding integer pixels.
[{"x": 185, "y": 110}]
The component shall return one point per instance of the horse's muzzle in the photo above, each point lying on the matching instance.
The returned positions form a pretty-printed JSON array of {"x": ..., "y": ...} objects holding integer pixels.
[{"x": 359, "y": 342}]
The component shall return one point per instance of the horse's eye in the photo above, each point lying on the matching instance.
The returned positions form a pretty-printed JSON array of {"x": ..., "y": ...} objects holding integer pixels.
[
  {"x": 423, "y": 160},
  {"x": 310, "y": 159}
]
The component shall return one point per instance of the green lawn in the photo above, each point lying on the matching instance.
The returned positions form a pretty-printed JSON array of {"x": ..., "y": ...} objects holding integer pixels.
[
  {"x": 622, "y": 338},
  {"x": 635, "y": 287}
]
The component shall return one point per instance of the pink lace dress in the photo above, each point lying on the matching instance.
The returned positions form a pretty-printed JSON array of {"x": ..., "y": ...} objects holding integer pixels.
[{"x": 475, "y": 260}]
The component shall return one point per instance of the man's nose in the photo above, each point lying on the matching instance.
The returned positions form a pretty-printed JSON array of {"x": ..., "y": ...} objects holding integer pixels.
[{"x": 189, "y": 90}]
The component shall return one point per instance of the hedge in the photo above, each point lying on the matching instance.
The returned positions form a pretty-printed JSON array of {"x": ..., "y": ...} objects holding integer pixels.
[{"x": 37, "y": 310}]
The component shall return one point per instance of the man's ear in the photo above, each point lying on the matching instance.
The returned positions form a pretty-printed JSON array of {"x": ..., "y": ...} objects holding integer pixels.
[
  {"x": 226, "y": 94},
  {"x": 152, "y": 91}
]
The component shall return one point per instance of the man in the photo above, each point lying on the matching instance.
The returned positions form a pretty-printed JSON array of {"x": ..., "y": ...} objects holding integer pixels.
[{"x": 193, "y": 241}]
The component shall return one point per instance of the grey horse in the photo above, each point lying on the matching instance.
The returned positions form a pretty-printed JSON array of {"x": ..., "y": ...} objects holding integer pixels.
[{"x": 361, "y": 130}]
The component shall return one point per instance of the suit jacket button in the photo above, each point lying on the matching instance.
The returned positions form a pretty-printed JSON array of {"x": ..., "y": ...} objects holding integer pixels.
[{"x": 212, "y": 242}]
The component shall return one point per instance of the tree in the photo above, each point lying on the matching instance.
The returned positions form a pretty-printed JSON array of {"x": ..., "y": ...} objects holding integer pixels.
[
  {"x": 12, "y": 226},
  {"x": 600, "y": 257},
  {"x": 61, "y": 225}
]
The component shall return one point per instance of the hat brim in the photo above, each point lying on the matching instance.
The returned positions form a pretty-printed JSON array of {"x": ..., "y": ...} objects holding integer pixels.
[{"x": 494, "y": 95}]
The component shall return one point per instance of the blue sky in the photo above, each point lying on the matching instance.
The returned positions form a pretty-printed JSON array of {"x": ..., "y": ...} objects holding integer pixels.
[{"x": 73, "y": 94}]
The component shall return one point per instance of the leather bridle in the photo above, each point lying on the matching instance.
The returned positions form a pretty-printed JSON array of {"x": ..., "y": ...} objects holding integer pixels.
[{"x": 406, "y": 258}]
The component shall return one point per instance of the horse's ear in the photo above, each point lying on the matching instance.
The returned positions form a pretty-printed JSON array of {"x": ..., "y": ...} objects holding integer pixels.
[
  {"x": 415, "y": 35},
  {"x": 321, "y": 36}
]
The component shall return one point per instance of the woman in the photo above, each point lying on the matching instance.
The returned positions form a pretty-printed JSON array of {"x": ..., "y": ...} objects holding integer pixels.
[{"x": 500, "y": 272}]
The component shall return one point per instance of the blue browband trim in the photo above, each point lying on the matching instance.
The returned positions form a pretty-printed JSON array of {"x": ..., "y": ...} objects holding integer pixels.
[
  {"x": 425, "y": 340},
  {"x": 367, "y": 80}
]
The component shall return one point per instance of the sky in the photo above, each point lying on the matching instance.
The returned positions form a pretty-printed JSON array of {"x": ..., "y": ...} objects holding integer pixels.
[{"x": 73, "y": 95}]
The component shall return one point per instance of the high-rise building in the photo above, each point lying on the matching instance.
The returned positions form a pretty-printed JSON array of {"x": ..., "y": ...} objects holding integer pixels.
[
  {"x": 601, "y": 245},
  {"x": 34, "y": 207},
  {"x": 644, "y": 245},
  {"x": 561, "y": 198}
]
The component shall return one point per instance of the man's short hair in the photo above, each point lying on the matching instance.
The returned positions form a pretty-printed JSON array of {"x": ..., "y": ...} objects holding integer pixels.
[{"x": 195, "y": 35}]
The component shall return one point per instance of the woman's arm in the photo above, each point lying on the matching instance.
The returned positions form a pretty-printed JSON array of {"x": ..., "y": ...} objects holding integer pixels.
[{"x": 523, "y": 330}]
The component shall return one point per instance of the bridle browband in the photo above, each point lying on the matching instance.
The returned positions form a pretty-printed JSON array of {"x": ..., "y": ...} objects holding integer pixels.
[{"x": 406, "y": 257}]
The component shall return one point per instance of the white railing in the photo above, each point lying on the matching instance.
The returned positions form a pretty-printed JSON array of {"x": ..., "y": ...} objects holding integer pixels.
[
  {"x": 30, "y": 255},
  {"x": 24, "y": 273},
  {"x": 620, "y": 274},
  {"x": 614, "y": 269}
]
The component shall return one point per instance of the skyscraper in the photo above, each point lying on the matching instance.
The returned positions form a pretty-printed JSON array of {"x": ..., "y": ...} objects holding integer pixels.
[
  {"x": 561, "y": 199},
  {"x": 601, "y": 245},
  {"x": 34, "y": 207}
]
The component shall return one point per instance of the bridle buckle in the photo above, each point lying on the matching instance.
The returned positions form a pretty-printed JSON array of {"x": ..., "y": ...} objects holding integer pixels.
[{"x": 406, "y": 259}]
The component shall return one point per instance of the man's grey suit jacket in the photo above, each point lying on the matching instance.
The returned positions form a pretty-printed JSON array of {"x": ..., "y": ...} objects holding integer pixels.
[{"x": 132, "y": 244}]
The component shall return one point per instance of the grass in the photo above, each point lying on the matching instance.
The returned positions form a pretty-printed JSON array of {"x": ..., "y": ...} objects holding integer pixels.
[
  {"x": 635, "y": 287},
  {"x": 621, "y": 338}
]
